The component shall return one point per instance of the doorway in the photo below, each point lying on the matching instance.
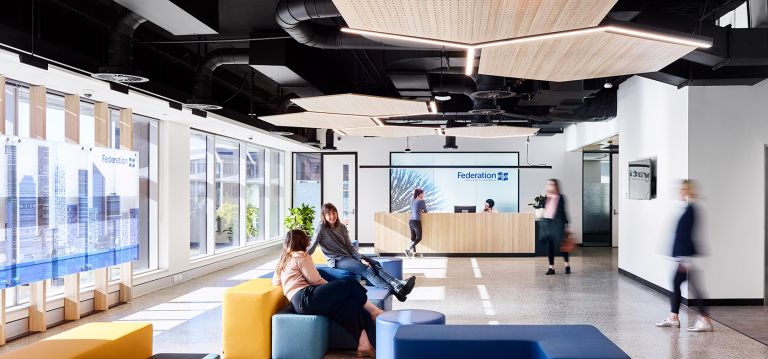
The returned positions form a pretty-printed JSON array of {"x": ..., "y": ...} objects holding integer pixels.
[
  {"x": 597, "y": 202},
  {"x": 339, "y": 186}
]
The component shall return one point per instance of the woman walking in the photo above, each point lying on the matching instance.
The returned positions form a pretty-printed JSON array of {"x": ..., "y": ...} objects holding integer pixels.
[
  {"x": 418, "y": 206},
  {"x": 343, "y": 301},
  {"x": 333, "y": 238},
  {"x": 555, "y": 224},
  {"x": 683, "y": 249}
]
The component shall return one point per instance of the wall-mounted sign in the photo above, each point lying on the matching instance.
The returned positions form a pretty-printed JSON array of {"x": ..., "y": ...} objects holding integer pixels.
[
  {"x": 641, "y": 179},
  {"x": 65, "y": 209}
]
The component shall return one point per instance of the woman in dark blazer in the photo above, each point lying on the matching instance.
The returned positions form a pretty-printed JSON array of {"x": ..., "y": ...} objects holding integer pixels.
[
  {"x": 683, "y": 249},
  {"x": 555, "y": 224}
]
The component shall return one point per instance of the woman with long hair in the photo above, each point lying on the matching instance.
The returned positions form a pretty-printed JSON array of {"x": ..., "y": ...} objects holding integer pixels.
[
  {"x": 555, "y": 224},
  {"x": 683, "y": 249},
  {"x": 343, "y": 301},
  {"x": 418, "y": 206},
  {"x": 333, "y": 238}
]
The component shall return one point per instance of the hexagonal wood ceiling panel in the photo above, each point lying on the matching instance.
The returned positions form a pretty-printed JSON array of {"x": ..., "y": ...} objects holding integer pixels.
[
  {"x": 589, "y": 55},
  {"x": 472, "y": 21},
  {"x": 391, "y": 131},
  {"x": 362, "y": 105},
  {"x": 319, "y": 120},
  {"x": 491, "y": 131}
]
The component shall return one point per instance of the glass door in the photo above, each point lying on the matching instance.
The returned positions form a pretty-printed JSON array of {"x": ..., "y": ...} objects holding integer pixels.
[
  {"x": 340, "y": 187},
  {"x": 596, "y": 200}
]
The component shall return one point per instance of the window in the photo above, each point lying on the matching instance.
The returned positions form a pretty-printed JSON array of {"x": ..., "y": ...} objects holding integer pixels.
[
  {"x": 276, "y": 186},
  {"x": 22, "y": 106},
  {"x": 87, "y": 124},
  {"x": 54, "y": 118},
  {"x": 10, "y": 108},
  {"x": 198, "y": 193},
  {"x": 114, "y": 128},
  {"x": 254, "y": 219},
  {"x": 307, "y": 180},
  {"x": 738, "y": 18},
  {"x": 227, "y": 199},
  {"x": 145, "y": 141}
]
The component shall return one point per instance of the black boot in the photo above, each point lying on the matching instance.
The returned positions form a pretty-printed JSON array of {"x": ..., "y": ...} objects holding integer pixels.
[{"x": 401, "y": 288}]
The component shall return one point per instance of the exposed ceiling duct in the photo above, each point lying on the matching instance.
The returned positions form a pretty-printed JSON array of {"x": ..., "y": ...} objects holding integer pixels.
[
  {"x": 295, "y": 17},
  {"x": 119, "y": 66},
  {"x": 204, "y": 75}
]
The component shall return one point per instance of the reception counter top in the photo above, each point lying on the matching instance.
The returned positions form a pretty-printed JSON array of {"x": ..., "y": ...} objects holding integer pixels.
[{"x": 459, "y": 233}]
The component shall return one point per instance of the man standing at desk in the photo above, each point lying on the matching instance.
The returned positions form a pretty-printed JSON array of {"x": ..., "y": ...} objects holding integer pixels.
[{"x": 489, "y": 203}]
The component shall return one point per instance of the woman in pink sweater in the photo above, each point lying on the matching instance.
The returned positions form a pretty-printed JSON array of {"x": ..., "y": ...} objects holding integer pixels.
[{"x": 344, "y": 301}]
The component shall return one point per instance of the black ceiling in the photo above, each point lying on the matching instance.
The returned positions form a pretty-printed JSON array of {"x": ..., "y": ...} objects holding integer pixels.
[{"x": 77, "y": 33}]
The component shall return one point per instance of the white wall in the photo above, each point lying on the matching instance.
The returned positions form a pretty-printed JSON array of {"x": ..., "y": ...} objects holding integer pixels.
[
  {"x": 373, "y": 183},
  {"x": 728, "y": 134},
  {"x": 653, "y": 123},
  {"x": 583, "y": 134}
]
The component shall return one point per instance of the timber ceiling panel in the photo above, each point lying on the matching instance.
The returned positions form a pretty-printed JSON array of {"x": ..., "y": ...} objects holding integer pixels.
[
  {"x": 391, "y": 131},
  {"x": 472, "y": 21},
  {"x": 362, "y": 105},
  {"x": 589, "y": 55},
  {"x": 319, "y": 120},
  {"x": 491, "y": 131}
]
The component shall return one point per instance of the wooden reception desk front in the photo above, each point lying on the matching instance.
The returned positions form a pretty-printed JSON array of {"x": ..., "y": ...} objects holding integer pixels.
[{"x": 459, "y": 233}]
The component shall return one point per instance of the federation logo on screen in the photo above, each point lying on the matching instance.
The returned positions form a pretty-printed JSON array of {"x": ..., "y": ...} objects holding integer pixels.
[
  {"x": 119, "y": 160},
  {"x": 483, "y": 176}
]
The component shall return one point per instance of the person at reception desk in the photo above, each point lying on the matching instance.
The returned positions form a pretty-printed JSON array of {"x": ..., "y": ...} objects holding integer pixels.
[
  {"x": 333, "y": 238},
  {"x": 418, "y": 206},
  {"x": 555, "y": 224},
  {"x": 489, "y": 203}
]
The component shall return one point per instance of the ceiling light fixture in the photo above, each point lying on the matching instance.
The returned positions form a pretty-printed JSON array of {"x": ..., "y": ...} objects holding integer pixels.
[
  {"x": 433, "y": 106},
  {"x": 442, "y": 96},
  {"x": 607, "y": 85},
  {"x": 659, "y": 36},
  {"x": 378, "y": 121}
]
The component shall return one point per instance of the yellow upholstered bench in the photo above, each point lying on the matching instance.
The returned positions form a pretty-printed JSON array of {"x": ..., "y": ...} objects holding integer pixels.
[
  {"x": 247, "y": 318},
  {"x": 115, "y": 340},
  {"x": 318, "y": 257}
]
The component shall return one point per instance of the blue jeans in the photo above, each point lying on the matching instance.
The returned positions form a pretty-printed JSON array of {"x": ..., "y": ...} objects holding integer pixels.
[{"x": 379, "y": 278}]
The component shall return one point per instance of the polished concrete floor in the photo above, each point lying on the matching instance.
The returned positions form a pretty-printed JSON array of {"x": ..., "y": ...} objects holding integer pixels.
[{"x": 187, "y": 317}]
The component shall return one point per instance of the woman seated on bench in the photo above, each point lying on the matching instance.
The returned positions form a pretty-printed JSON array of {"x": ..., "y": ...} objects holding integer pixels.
[
  {"x": 333, "y": 238},
  {"x": 344, "y": 301}
]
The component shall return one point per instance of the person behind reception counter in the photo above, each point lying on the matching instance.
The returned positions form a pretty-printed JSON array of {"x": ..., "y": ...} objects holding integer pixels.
[
  {"x": 489, "y": 203},
  {"x": 418, "y": 206}
]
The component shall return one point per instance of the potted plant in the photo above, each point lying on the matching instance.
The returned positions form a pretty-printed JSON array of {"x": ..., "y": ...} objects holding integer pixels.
[
  {"x": 538, "y": 206},
  {"x": 301, "y": 217}
]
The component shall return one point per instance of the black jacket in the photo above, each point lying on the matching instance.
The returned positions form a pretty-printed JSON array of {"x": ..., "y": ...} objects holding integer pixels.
[
  {"x": 560, "y": 214},
  {"x": 683, "y": 245}
]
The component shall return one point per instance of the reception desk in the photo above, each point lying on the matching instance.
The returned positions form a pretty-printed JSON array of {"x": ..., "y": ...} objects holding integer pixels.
[{"x": 459, "y": 233}]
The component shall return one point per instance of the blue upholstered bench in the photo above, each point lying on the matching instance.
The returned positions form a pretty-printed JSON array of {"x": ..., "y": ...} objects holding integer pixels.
[{"x": 504, "y": 341}]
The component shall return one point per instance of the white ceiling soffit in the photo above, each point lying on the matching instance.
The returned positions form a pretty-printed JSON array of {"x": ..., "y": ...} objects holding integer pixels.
[
  {"x": 391, "y": 131},
  {"x": 319, "y": 120},
  {"x": 491, "y": 131},
  {"x": 472, "y": 21},
  {"x": 600, "y": 52},
  {"x": 168, "y": 16},
  {"x": 362, "y": 105}
]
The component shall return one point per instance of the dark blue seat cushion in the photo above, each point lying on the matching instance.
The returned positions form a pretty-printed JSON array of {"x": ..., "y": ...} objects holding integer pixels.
[{"x": 507, "y": 341}]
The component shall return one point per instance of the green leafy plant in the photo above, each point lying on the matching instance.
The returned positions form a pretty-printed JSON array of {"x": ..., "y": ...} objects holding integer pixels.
[
  {"x": 251, "y": 220},
  {"x": 226, "y": 214},
  {"x": 301, "y": 217}
]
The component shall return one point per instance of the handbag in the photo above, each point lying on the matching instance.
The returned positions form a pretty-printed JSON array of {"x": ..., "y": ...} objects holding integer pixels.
[{"x": 568, "y": 243}]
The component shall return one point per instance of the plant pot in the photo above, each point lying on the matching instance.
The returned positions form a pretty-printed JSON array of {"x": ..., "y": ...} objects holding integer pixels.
[{"x": 538, "y": 213}]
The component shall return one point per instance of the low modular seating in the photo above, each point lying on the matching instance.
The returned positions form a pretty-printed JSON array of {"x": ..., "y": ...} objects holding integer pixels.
[
  {"x": 247, "y": 318},
  {"x": 388, "y": 323},
  {"x": 317, "y": 333},
  {"x": 97, "y": 340},
  {"x": 504, "y": 341}
]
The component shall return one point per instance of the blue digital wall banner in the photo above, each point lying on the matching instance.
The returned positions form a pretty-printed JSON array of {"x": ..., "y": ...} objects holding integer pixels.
[
  {"x": 448, "y": 187},
  {"x": 65, "y": 209}
]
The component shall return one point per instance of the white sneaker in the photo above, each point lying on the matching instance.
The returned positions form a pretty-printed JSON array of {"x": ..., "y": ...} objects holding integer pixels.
[
  {"x": 700, "y": 326},
  {"x": 668, "y": 323}
]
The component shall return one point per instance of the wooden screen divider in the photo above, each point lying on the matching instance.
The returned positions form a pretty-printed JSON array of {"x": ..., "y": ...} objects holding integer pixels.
[
  {"x": 37, "y": 290},
  {"x": 126, "y": 142},
  {"x": 72, "y": 134},
  {"x": 101, "y": 131}
]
